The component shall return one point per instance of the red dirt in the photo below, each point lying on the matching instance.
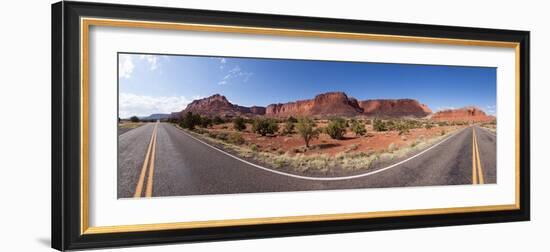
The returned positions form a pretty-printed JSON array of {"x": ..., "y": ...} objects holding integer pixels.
[{"x": 372, "y": 142}]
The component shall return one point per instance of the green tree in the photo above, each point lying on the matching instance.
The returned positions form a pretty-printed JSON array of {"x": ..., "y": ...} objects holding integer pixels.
[
  {"x": 190, "y": 120},
  {"x": 379, "y": 125},
  {"x": 217, "y": 120},
  {"x": 134, "y": 119},
  {"x": 289, "y": 128},
  {"x": 239, "y": 124},
  {"x": 336, "y": 128},
  {"x": 206, "y": 122},
  {"x": 265, "y": 126},
  {"x": 403, "y": 127},
  {"x": 358, "y": 128},
  {"x": 306, "y": 129},
  {"x": 292, "y": 119}
]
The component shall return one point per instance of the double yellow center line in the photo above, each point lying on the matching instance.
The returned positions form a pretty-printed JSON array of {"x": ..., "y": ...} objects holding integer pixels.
[
  {"x": 477, "y": 171},
  {"x": 149, "y": 162}
]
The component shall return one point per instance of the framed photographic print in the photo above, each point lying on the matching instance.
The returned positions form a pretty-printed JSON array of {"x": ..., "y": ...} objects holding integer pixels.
[{"x": 180, "y": 125}]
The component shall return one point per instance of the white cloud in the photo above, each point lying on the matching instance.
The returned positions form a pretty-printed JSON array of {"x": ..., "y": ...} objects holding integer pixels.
[
  {"x": 125, "y": 66},
  {"x": 235, "y": 73},
  {"x": 246, "y": 76},
  {"x": 143, "y": 105},
  {"x": 153, "y": 61},
  {"x": 126, "y": 63},
  {"x": 222, "y": 63},
  {"x": 235, "y": 70}
]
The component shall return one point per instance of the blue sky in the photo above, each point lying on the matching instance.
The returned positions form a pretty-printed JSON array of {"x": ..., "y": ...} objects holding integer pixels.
[{"x": 167, "y": 83}]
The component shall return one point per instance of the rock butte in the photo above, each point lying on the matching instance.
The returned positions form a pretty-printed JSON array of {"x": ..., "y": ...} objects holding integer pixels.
[
  {"x": 218, "y": 105},
  {"x": 332, "y": 104},
  {"x": 327, "y": 104},
  {"x": 394, "y": 108}
]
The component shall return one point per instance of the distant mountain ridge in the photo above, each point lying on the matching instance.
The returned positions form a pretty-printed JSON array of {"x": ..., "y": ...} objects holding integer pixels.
[{"x": 157, "y": 116}]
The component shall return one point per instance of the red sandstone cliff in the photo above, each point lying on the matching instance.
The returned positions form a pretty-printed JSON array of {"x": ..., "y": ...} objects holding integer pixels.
[
  {"x": 467, "y": 114},
  {"x": 332, "y": 104},
  {"x": 339, "y": 104},
  {"x": 394, "y": 108},
  {"x": 218, "y": 105},
  {"x": 327, "y": 104}
]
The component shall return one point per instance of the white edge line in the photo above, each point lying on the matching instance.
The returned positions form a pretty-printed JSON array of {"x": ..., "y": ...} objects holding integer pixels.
[
  {"x": 488, "y": 131},
  {"x": 317, "y": 178}
]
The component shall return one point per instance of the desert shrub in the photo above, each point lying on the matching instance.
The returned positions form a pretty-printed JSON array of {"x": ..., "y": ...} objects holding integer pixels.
[
  {"x": 306, "y": 129},
  {"x": 236, "y": 138},
  {"x": 443, "y": 132},
  {"x": 217, "y": 120},
  {"x": 292, "y": 120},
  {"x": 428, "y": 125},
  {"x": 289, "y": 128},
  {"x": 190, "y": 120},
  {"x": 358, "y": 128},
  {"x": 265, "y": 126},
  {"x": 336, "y": 128},
  {"x": 391, "y": 125},
  {"x": 212, "y": 134},
  {"x": 200, "y": 131},
  {"x": 222, "y": 136},
  {"x": 402, "y": 127},
  {"x": 413, "y": 124},
  {"x": 206, "y": 122},
  {"x": 239, "y": 124},
  {"x": 443, "y": 123},
  {"x": 134, "y": 119},
  {"x": 379, "y": 125},
  {"x": 254, "y": 147}
]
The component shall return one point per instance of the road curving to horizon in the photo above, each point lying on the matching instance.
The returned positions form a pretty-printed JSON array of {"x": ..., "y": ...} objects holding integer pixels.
[{"x": 184, "y": 165}]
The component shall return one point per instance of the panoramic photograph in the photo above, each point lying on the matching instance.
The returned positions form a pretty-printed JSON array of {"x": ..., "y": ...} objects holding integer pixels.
[{"x": 200, "y": 125}]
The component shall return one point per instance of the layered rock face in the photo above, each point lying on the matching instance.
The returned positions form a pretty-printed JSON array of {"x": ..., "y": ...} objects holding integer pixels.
[
  {"x": 394, "y": 108},
  {"x": 332, "y": 104},
  {"x": 257, "y": 110},
  {"x": 467, "y": 114},
  {"x": 323, "y": 105},
  {"x": 218, "y": 105}
]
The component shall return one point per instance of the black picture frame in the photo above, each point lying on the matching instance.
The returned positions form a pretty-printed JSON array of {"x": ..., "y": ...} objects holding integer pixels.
[{"x": 66, "y": 123}]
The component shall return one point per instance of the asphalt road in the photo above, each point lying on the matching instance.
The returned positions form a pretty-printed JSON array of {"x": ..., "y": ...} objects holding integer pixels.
[{"x": 182, "y": 165}]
